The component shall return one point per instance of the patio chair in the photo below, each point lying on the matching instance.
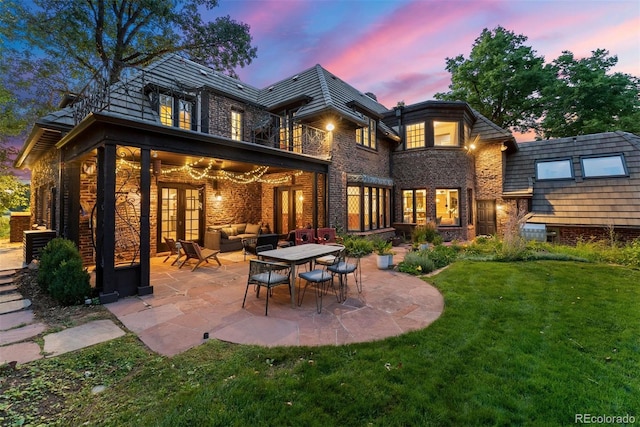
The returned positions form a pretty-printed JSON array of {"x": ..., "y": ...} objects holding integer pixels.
[
  {"x": 251, "y": 246},
  {"x": 342, "y": 267},
  {"x": 318, "y": 278},
  {"x": 327, "y": 235},
  {"x": 193, "y": 251},
  {"x": 305, "y": 235},
  {"x": 173, "y": 250},
  {"x": 266, "y": 274}
]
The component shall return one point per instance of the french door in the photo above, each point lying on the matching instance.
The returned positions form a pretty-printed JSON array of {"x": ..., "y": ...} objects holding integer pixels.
[
  {"x": 180, "y": 213},
  {"x": 289, "y": 209}
]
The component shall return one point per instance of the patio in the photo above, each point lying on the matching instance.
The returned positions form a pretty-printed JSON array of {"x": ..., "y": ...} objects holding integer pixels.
[{"x": 187, "y": 305}]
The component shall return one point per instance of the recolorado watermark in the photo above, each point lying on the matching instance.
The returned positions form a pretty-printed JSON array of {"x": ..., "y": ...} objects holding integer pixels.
[{"x": 604, "y": 419}]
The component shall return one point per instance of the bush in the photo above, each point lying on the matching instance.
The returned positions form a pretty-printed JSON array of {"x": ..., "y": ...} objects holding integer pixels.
[
  {"x": 60, "y": 272},
  {"x": 443, "y": 255},
  {"x": 70, "y": 283},
  {"x": 417, "y": 262},
  {"x": 358, "y": 246},
  {"x": 425, "y": 233}
]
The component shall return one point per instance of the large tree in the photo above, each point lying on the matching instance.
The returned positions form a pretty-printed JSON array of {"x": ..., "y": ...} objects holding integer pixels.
[
  {"x": 585, "y": 98},
  {"x": 51, "y": 47},
  {"x": 502, "y": 79}
]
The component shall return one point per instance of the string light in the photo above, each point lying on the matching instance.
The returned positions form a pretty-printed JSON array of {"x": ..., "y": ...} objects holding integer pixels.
[{"x": 254, "y": 175}]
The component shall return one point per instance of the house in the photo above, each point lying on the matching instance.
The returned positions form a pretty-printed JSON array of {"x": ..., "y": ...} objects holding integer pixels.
[
  {"x": 579, "y": 188},
  {"x": 179, "y": 150}
]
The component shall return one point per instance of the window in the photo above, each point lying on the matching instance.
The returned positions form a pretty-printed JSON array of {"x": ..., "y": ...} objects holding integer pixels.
[
  {"x": 414, "y": 206},
  {"x": 596, "y": 167},
  {"x": 445, "y": 134},
  {"x": 368, "y": 208},
  {"x": 166, "y": 110},
  {"x": 236, "y": 125},
  {"x": 447, "y": 207},
  {"x": 290, "y": 133},
  {"x": 554, "y": 169},
  {"x": 366, "y": 136},
  {"x": 415, "y": 135},
  {"x": 168, "y": 105},
  {"x": 184, "y": 115}
]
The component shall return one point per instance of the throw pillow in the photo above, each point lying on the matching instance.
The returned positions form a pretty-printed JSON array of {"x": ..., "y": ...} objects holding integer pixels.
[
  {"x": 252, "y": 229},
  {"x": 229, "y": 231}
]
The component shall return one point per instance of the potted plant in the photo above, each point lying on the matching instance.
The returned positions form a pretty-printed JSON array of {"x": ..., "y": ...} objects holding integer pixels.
[
  {"x": 424, "y": 235},
  {"x": 384, "y": 253}
]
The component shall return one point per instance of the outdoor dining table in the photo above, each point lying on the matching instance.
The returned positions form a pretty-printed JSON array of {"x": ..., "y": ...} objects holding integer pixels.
[{"x": 297, "y": 255}]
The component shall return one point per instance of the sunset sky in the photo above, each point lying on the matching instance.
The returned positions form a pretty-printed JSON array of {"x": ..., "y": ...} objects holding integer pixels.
[{"x": 397, "y": 49}]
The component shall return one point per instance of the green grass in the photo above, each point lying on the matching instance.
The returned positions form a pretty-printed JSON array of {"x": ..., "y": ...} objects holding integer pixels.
[{"x": 529, "y": 343}]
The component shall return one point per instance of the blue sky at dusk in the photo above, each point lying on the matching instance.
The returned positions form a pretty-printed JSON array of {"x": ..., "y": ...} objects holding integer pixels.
[{"x": 397, "y": 49}]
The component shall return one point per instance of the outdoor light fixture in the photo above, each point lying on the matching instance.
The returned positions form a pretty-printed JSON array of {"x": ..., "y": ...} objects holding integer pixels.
[
  {"x": 217, "y": 196},
  {"x": 330, "y": 126}
]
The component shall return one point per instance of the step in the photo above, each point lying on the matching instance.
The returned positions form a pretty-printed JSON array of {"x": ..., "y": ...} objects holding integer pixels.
[
  {"x": 11, "y": 306},
  {"x": 13, "y": 296},
  {"x": 5, "y": 273},
  {"x": 6, "y": 280},
  {"x": 22, "y": 333},
  {"x": 8, "y": 289},
  {"x": 15, "y": 319}
]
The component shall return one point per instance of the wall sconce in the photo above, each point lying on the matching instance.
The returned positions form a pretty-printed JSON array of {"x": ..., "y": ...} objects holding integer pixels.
[
  {"x": 89, "y": 168},
  {"x": 157, "y": 167},
  {"x": 330, "y": 126}
]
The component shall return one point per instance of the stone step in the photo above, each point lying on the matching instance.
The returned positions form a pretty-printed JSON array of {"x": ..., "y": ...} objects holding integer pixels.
[
  {"x": 13, "y": 296},
  {"x": 22, "y": 333},
  {"x": 5, "y": 273},
  {"x": 8, "y": 289},
  {"x": 11, "y": 306},
  {"x": 15, "y": 319},
  {"x": 6, "y": 280}
]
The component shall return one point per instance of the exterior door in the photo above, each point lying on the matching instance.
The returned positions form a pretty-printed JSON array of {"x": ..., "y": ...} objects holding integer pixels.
[
  {"x": 180, "y": 213},
  {"x": 486, "y": 217},
  {"x": 289, "y": 209}
]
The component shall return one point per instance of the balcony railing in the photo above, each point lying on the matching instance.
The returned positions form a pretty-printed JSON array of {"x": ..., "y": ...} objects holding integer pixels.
[{"x": 132, "y": 96}]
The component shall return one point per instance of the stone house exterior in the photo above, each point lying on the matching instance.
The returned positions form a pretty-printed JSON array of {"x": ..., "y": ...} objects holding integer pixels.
[{"x": 176, "y": 148}]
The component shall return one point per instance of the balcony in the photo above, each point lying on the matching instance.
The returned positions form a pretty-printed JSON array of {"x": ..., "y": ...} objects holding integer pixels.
[{"x": 133, "y": 97}]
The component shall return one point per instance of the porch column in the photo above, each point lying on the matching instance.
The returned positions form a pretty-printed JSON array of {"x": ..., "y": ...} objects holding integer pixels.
[
  {"x": 145, "y": 229},
  {"x": 106, "y": 224}
]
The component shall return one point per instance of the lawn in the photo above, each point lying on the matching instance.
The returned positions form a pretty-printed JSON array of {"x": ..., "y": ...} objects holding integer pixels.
[{"x": 522, "y": 343}]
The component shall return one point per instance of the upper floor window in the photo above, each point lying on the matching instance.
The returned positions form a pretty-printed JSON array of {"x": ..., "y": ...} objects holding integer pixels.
[
  {"x": 236, "y": 125},
  {"x": 445, "y": 134},
  {"x": 603, "y": 166},
  {"x": 415, "y": 135},
  {"x": 366, "y": 136},
  {"x": 554, "y": 169},
  {"x": 290, "y": 133},
  {"x": 168, "y": 106}
]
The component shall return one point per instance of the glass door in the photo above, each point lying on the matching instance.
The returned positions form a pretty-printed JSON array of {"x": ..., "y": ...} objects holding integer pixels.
[{"x": 180, "y": 213}]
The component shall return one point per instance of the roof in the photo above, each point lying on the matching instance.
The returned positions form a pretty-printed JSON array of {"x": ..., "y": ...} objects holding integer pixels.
[
  {"x": 488, "y": 131},
  {"x": 313, "y": 92},
  {"x": 578, "y": 201}
]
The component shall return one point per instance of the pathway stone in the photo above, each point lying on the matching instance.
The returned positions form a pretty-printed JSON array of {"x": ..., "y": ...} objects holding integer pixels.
[
  {"x": 81, "y": 336},
  {"x": 23, "y": 352},
  {"x": 6, "y": 280},
  {"x": 7, "y": 289},
  {"x": 22, "y": 333},
  {"x": 13, "y": 296},
  {"x": 17, "y": 318},
  {"x": 5, "y": 273},
  {"x": 11, "y": 306}
]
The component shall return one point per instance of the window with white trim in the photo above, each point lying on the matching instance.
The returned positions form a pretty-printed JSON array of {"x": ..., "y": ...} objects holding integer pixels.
[
  {"x": 236, "y": 125},
  {"x": 415, "y": 135},
  {"x": 445, "y": 134}
]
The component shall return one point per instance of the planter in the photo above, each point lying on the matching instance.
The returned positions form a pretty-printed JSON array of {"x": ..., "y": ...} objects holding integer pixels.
[
  {"x": 127, "y": 279},
  {"x": 384, "y": 261},
  {"x": 424, "y": 246}
]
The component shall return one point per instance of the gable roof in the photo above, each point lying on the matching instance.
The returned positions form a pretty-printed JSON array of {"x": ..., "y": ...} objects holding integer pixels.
[
  {"x": 488, "y": 131},
  {"x": 578, "y": 201}
]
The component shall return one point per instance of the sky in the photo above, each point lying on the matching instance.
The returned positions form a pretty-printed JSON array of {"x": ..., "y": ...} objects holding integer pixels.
[{"x": 398, "y": 49}]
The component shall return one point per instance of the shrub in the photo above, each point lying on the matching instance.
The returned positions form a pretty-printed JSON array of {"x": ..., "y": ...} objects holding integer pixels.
[
  {"x": 52, "y": 255},
  {"x": 357, "y": 246},
  {"x": 381, "y": 246},
  {"x": 427, "y": 232},
  {"x": 417, "y": 262},
  {"x": 443, "y": 255},
  {"x": 70, "y": 283}
]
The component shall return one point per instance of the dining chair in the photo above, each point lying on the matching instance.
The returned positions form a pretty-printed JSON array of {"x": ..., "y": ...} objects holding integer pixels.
[
  {"x": 268, "y": 275},
  {"x": 342, "y": 267},
  {"x": 327, "y": 235},
  {"x": 319, "y": 278},
  {"x": 305, "y": 235}
]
